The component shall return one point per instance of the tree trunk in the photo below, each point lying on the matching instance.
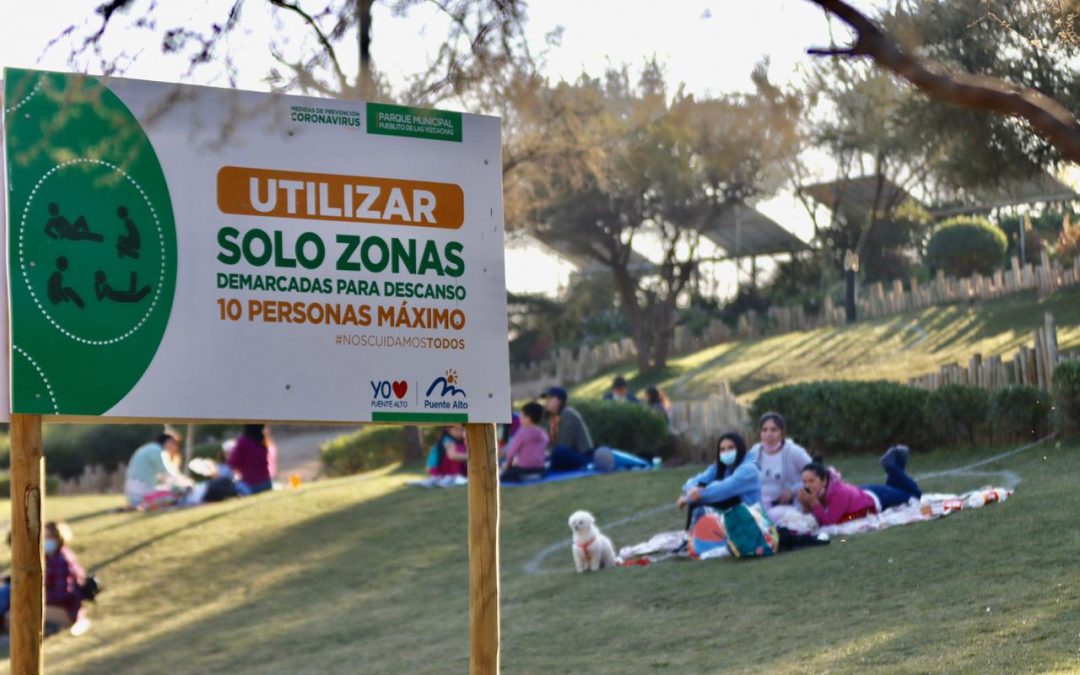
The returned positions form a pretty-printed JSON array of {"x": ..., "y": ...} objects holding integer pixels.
[
  {"x": 367, "y": 79},
  {"x": 627, "y": 290},
  {"x": 412, "y": 446}
]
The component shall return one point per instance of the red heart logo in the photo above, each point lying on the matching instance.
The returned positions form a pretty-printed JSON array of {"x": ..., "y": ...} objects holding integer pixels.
[{"x": 400, "y": 388}]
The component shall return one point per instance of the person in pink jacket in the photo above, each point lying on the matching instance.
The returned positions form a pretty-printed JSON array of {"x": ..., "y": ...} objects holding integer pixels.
[{"x": 830, "y": 500}]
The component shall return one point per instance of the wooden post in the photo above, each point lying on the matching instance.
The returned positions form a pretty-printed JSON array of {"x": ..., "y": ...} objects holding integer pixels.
[
  {"x": 483, "y": 549},
  {"x": 26, "y": 625}
]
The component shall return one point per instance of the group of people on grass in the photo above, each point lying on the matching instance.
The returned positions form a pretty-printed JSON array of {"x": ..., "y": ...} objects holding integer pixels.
[
  {"x": 244, "y": 466},
  {"x": 777, "y": 472},
  {"x": 551, "y": 437}
]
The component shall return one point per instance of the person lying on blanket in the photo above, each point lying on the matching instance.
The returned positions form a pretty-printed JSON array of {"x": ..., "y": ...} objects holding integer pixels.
[
  {"x": 732, "y": 480},
  {"x": 830, "y": 500}
]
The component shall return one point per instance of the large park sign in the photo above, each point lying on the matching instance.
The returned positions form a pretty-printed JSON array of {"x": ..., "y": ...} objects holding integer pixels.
[
  {"x": 199, "y": 253},
  {"x": 183, "y": 252}
]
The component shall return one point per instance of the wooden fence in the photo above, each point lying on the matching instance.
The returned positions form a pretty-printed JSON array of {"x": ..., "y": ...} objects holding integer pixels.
[
  {"x": 95, "y": 480},
  {"x": 874, "y": 301},
  {"x": 1032, "y": 365},
  {"x": 700, "y": 423}
]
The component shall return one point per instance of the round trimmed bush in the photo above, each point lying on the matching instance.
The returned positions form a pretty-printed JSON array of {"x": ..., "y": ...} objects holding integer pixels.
[
  {"x": 368, "y": 449},
  {"x": 625, "y": 426},
  {"x": 1067, "y": 397},
  {"x": 1020, "y": 411},
  {"x": 841, "y": 416},
  {"x": 967, "y": 244},
  {"x": 958, "y": 412}
]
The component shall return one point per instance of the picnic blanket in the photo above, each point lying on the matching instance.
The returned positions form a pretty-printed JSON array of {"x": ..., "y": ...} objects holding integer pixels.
[{"x": 671, "y": 544}]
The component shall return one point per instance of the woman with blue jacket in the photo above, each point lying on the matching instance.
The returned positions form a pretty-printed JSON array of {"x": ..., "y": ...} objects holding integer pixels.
[{"x": 732, "y": 480}]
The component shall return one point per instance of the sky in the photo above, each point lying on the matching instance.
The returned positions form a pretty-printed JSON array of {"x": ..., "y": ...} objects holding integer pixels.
[{"x": 709, "y": 45}]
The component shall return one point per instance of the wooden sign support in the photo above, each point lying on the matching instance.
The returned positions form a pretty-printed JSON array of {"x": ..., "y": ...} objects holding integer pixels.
[
  {"x": 26, "y": 624},
  {"x": 483, "y": 549}
]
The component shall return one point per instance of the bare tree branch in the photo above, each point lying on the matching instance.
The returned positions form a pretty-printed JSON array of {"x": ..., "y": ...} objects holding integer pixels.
[
  {"x": 1047, "y": 117},
  {"x": 323, "y": 40}
]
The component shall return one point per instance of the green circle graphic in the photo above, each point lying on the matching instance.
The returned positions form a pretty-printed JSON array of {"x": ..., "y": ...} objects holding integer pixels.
[{"x": 92, "y": 246}]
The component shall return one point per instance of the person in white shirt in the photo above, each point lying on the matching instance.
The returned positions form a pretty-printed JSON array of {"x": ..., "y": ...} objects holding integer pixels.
[{"x": 780, "y": 459}]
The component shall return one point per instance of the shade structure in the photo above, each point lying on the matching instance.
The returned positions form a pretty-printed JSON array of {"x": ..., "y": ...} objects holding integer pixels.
[
  {"x": 853, "y": 199},
  {"x": 743, "y": 231},
  {"x": 577, "y": 256}
]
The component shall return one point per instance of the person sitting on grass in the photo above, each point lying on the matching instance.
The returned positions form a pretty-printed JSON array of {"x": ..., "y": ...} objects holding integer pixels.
[
  {"x": 781, "y": 461},
  {"x": 155, "y": 467},
  {"x": 620, "y": 391},
  {"x": 830, "y": 500},
  {"x": 572, "y": 446},
  {"x": 447, "y": 458},
  {"x": 254, "y": 459},
  {"x": 658, "y": 401},
  {"x": 732, "y": 480},
  {"x": 64, "y": 579},
  {"x": 527, "y": 449}
]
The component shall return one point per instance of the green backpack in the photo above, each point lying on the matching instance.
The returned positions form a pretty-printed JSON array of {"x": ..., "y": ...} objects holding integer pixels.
[{"x": 750, "y": 533}]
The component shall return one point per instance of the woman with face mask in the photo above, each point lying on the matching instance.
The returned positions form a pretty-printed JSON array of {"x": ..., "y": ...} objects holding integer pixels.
[
  {"x": 64, "y": 579},
  {"x": 730, "y": 481}
]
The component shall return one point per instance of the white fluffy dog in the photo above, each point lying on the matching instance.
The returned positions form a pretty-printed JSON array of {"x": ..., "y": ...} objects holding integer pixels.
[{"x": 591, "y": 549}]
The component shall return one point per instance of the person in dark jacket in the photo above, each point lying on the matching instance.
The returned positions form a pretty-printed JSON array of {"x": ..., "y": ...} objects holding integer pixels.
[{"x": 571, "y": 444}]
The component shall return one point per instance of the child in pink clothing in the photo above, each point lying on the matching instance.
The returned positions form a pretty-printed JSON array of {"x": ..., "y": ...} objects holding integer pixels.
[{"x": 526, "y": 452}]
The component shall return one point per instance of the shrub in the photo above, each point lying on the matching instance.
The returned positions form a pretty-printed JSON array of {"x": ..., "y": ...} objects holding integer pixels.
[
  {"x": 964, "y": 245},
  {"x": 52, "y": 485},
  {"x": 626, "y": 426},
  {"x": 70, "y": 448},
  {"x": 368, "y": 449},
  {"x": 957, "y": 412},
  {"x": 1020, "y": 411},
  {"x": 1067, "y": 398},
  {"x": 838, "y": 416}
]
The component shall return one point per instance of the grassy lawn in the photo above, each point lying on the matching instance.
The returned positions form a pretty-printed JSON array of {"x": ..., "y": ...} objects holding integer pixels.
[
  {"x": 894, "y": 348},
  {"x": 361, "y": 575}
]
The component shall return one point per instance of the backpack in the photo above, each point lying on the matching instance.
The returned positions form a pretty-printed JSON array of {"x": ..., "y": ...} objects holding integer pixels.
[
  {"x": 91, "y": 588},
  {"x": 750, "y": 533}
]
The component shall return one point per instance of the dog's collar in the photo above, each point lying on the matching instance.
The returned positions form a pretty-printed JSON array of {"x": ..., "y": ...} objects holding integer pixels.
[{"x": 585, "y": 548}]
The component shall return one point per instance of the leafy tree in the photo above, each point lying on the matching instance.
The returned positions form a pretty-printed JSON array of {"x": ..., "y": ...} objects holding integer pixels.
[
  {"x": 659, "y": 168},
  {"x": 1016, "y": 58}
]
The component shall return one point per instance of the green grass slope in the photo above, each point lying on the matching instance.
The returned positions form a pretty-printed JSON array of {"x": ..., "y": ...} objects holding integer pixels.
[
  {"x": 894, "y": 348},
  {"x": 361, "y": 575}
]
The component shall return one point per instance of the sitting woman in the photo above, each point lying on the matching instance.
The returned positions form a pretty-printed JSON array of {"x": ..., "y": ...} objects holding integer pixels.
[
  {"x": 833, "y": 501},
  {"x": 527, "y": 450},
  {"x": 448, "y": 457},
  {"x": 780, "y": 460},
  {"x": 64, "y": 579},
  {"x": 731, "y": 481}
]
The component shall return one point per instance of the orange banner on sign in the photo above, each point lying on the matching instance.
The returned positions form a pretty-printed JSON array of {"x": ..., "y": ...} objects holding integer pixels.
[{"x": 323, "y": 196}]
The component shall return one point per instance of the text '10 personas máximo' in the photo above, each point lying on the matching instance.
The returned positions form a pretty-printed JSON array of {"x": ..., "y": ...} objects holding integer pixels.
[{"x": 192, "y": 252}]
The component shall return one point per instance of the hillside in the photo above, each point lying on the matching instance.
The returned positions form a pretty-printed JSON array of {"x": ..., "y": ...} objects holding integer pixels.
[
  {"x": 362, "y": 575},
  {"x": 893, "y": 348}
]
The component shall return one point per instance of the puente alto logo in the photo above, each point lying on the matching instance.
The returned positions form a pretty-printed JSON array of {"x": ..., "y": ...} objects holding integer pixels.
[{"x": 446, "y": 386}]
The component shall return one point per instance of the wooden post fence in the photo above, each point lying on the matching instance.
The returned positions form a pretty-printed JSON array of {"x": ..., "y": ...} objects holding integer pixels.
[
  {"x": 483, "y": 549},
  {"x": 26, "y": 625}
]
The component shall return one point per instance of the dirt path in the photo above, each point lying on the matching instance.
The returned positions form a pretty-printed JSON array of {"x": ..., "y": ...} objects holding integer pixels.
[{"x": 298, "y": 450}]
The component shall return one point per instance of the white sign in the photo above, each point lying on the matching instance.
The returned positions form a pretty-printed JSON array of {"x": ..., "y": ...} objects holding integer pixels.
[{"x": 190, "y": 252}]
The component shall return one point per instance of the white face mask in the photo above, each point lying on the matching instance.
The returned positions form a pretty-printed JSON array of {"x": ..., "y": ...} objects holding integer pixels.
[
  {"x": 50, "y": 546},
  {"x": 727, "y": 457}
]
